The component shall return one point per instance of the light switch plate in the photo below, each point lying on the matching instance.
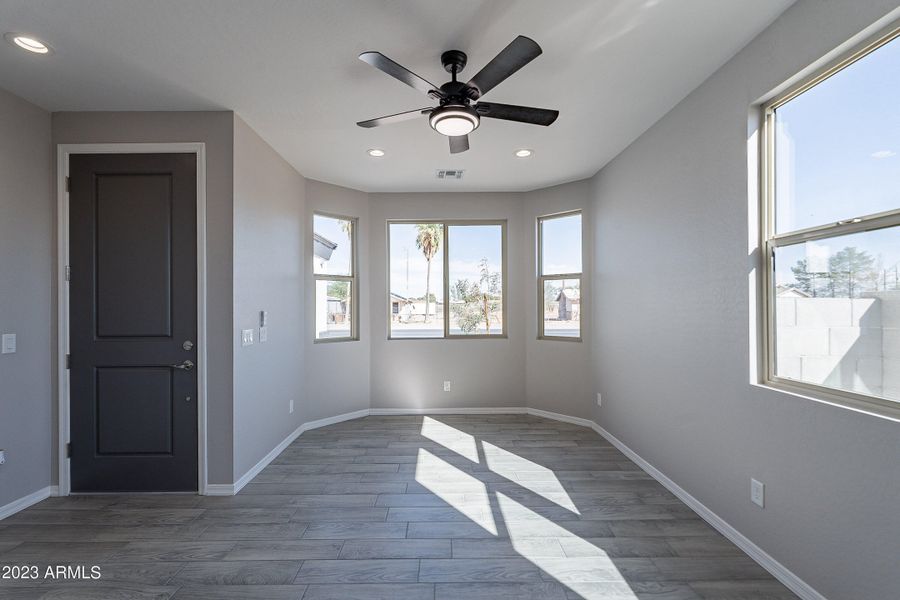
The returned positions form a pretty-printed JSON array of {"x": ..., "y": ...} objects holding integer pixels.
[
  {"x": 758, "y": 493},
  {"x": 246, "y": 337},
  {"x": 263, "y": 334},
  {"x": 446, "y": 386},
  {"x": 9, "y": 343}
]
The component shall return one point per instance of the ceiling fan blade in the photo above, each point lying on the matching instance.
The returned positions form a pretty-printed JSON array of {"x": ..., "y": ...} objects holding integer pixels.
[
  {"x": 397, "y": 71},
  {"x": 522, "y": 114},
  {"x": 459, "y": 143},
  {"x": 519, "y": 53},
  {"x": 404, "y": 116}
]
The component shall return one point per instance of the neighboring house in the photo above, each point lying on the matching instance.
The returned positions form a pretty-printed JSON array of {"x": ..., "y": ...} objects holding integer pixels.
[
  {"x": 787, "y": 291},
  {"x": 323, "y": 249},
  {"x": 407, "y": 310},
  {"x": 397, "y": 304},
  {"x": 329, "y": 310},
  {"x": 569, "y": 300}
]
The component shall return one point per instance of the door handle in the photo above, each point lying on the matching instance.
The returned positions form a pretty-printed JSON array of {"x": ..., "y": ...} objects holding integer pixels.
[{"x": 185, "y": 366}]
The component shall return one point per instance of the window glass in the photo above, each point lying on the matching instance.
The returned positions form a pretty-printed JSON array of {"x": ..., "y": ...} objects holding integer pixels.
[
  {"x": 562, "y": 308},
  {"x": 561, "y": 245},
  {"x": 416, "y": 280},
  {"x": 332, "y": 248},
  {"x": 333, "y": 309},
  {"x": 476, "y": 279},
  {"x": 837, "y": 145}
]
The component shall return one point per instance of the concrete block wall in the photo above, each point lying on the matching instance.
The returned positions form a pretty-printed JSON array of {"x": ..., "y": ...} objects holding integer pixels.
[{"x": 851, "y": 344}]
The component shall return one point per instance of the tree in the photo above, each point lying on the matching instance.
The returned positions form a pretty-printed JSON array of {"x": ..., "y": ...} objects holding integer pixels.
[
  {"x": 476, "y": 303},
  {"x": 338, "y": 289},
  {"x": 428, "y": 240},
  {"x": 850, "y": 271},
  {"x": 806, "y": 281}
]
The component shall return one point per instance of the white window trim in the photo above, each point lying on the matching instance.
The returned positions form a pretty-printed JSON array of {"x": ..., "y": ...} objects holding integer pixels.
[
  {"x": 541, "y": 278},
  {"x": 770, "y": 240},
  {"x": 353, "y": 279},
  {"x": 445, "y": 253}
]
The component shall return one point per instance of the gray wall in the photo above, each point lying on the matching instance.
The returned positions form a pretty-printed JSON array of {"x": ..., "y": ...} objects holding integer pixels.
[
  {"x": 674, "y": 266},
  {"x": 410, "y": 373},
  {"x": 26, "y": 248},
  {"x": 216, "y": 130},
  {"x": 269, "y": 236},
  {"x": 558, "y": 374},
  {"x": 337, "y": 373}
]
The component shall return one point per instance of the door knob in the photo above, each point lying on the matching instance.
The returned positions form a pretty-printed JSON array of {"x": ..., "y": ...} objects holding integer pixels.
[{"x": 185, "y": 366}]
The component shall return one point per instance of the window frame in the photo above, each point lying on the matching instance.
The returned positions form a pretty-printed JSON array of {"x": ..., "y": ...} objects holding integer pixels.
[
  {"x": 542, "y": 279},
  {"x": 770, "y": 240},
  {"x": 446, "y": 224},
  {"x": 353, "y": 279}
]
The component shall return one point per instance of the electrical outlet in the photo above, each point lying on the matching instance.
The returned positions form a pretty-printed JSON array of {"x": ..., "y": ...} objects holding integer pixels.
[
  {"x": 246, "y": 337},
  {"x": 291, "y": 406},
  {"x": 9, "y": 343},
  {"x": 2, "y": 456},
  {"x": 758, "y": 493},
  {"x": 599, "y": 400},
  {"x": 446, "y": 386}
]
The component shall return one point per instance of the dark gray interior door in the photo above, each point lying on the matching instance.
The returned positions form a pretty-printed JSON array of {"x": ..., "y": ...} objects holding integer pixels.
[{"x": 133, "y": 322}]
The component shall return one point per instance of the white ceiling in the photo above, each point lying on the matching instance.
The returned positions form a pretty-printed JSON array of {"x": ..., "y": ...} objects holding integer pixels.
[{"x": 290, "y": 70}]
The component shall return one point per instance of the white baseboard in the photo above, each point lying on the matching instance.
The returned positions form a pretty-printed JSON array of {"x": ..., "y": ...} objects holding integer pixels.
[
  {"x": 766, "y": 561},
  {"x": 219, "y": 489},
  {"x": 560, "y": 417},
  {"x": 230, "y": 490},
  {"x": 498, "y": 410},
  {"x": 26, "y": 501}
]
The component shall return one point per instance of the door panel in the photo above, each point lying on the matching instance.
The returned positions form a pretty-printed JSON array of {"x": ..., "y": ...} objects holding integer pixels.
[{"x": 133, "y": 304}]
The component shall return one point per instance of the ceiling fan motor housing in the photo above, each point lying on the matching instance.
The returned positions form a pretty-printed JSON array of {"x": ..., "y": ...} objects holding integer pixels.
[{"x": 454, "y": 60}]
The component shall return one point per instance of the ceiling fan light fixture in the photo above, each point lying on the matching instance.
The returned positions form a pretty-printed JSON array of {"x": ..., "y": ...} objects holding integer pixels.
[{"x": 453, "y": 120}]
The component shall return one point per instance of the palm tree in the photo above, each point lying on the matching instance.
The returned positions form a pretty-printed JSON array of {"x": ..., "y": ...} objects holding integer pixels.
[{"x": 428, "y": 240}]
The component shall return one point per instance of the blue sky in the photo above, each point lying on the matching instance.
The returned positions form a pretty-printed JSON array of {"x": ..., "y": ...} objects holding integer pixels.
[
  {"x": 838, "y": 157},
  {"x": 468, "y": 245},
  {"x": 561, "y": 239}
]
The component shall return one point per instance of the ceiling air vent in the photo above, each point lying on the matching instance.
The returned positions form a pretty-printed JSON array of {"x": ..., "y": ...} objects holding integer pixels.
[{"x": 449, "y": 173}]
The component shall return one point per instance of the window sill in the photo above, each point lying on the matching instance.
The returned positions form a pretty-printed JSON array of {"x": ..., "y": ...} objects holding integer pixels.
[
  {"x": 875, "y": 407},
  {"x": 335, "y": 340}
]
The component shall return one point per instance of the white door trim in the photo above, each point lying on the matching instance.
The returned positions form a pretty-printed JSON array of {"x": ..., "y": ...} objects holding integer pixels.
[{"x": 64, "y": 151}]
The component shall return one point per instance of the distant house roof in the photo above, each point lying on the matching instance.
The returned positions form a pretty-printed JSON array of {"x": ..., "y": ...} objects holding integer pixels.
[
  {"x": 570, "y": 293},
  {"x": 787, "y": 291},
  {"x": 323, "y": 247},
  {"x": 395, "y": 296}
]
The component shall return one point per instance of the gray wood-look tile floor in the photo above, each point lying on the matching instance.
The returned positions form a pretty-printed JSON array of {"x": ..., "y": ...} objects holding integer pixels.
[{"x": 486, "y": 507}]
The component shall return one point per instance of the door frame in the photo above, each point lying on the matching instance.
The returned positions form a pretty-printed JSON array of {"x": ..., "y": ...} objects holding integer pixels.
[{"x": 63, "y": 152}]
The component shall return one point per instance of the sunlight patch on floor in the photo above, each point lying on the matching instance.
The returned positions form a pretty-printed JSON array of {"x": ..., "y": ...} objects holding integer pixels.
[
  {"x": 542, "y": 481},
  {"x": 590, "y": 577},
  {"x": 446, "y": 481},
  {"x": 451, "y": 438}
]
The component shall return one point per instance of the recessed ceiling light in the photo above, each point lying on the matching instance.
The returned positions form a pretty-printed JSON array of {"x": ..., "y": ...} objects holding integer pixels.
[
  {"x": 524, "y": 153},
  {"x": 376, "y": 152},
  {"x": 27, "y": 42}
]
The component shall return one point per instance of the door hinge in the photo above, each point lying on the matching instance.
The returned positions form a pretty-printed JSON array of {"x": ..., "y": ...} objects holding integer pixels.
[
  {"x": 68, "y": 273},
  {"x": 68, "y": 449},
  {"x": 68, "y": 361},
  {"x": 67, "y": 183}
]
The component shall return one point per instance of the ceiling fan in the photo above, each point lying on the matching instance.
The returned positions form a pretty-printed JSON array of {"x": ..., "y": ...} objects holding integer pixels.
[{"x": 456, "y": 116}]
